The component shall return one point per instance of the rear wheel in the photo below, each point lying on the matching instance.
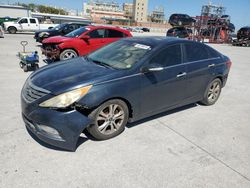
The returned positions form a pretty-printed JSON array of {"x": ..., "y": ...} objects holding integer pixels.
[
  {"x": 36, "y": 67},
  {"x": 25, "y": 68},
  {"x": 12, "y": 30},
  {"x": 212, "y": 92},
  {"x": 109, "y": 119},
  {"x": 68, "y": 54}
]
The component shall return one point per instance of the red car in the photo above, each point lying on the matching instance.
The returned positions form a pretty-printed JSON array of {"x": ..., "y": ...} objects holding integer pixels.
[{"x": 81, "y": 41}]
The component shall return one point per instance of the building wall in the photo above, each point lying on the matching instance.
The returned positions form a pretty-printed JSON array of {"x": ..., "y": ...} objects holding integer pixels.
[
  {"x": 98, "y": 10},
  {"x": 128, "y": 10},
  {"x": 140, "y": 10},
  {"x": 13, "y": 12}
]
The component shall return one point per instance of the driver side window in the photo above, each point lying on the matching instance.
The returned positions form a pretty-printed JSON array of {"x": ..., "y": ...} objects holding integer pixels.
[
  {"x": 98, "y": 33},
  {"x": 25, "y": 20},
  {"x": 169, "y": 56}
]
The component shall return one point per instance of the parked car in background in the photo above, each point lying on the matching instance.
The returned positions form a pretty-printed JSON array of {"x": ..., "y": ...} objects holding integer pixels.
[
  {"x": 145, "y": 29},
  {"x": 81, "y": 42},
  {"x": 101, "y": 92},
  {"x": 137, "y": 29},
  {"x": 244, "y": 33},
  {"x": 26, "y": 24},
  {"x": 61, "y": 29},
  {"x": 180, "y": 32},
  {"x": 181, "y": 20},
  {"x": 232, "y": 37},
  {"x": 6, "y": 19},
  {"x": 231, "y": 27}
]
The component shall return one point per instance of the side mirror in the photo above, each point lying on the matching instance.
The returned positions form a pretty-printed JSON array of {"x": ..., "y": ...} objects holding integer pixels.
[
  {"x": 85, "y": 37},
  {"x": 152, "y": 68}
]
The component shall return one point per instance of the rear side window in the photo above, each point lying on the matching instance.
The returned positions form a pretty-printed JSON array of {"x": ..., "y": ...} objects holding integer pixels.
[
  {"x": 169, "y": 56},
  {"x": 33, "y": 21},
  {"x": 196, "y": 52},
  {"x": 98, "y": 33},
  {"x": 114, "y": 34},
  {"x": 212, "y": 53}
]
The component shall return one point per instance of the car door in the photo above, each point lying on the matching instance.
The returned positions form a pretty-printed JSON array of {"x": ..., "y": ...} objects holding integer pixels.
[
  {"x": 96, "y": 40},
  {"x": 113, "y": 35},
  {"x": 24, "y": 24},
  {"x": 166, "y": 88},
  {"x": 33, "y": 25},
  {"x": 200, "y": 68}
]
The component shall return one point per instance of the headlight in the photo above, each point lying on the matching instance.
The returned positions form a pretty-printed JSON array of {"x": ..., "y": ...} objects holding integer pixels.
[
  {"x": 43, "y": 34},
  {"x": 66, "y": 99}
]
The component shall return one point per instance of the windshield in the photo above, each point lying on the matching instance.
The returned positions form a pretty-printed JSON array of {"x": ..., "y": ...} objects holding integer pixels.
[
  {"x": 58, "y": 26},
  {"x": 77, "y": 32},
  {"x": 120, "y": 55}
]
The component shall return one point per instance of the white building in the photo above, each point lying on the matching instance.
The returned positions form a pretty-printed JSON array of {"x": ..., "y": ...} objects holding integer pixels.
[
  {"x": 140, "y": 10},
  {"x": 13, "y": 11}
]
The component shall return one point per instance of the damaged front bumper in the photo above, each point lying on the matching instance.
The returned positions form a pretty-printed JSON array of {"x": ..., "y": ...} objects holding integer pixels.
[
  {"x": 60, "y": 129},
  {"x": 51, "y": 52}
]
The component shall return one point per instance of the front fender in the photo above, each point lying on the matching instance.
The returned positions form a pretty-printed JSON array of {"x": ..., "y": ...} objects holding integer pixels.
[{"x": 127, "y": 88}]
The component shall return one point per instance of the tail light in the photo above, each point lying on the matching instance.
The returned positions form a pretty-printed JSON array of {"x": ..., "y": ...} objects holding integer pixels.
[{"x": 229, "y": 64}]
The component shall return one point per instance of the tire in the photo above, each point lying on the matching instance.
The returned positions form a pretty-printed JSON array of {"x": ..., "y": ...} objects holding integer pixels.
[
  {"x": 21, "y": 64},
  {"x": 68, "y": 54},
  {"x": 36, "y": 66},
  {"x": 104, "y": 126},
  {"x": 12, "y": 30},
  {"x": 25, "y": 68},
  {"x": 212, "y": 93}
]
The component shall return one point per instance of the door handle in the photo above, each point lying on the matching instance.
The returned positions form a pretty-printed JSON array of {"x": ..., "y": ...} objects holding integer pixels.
[
  {"x": 181, "y": 75},
  {"x": 211, "y": 65}
]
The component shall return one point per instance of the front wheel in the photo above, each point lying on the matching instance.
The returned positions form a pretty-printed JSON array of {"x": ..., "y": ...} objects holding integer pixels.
[
  {"x": 212, "y": 92},
  {"x": 108, "y": 120},
  {"x": 68, "y": 54}
]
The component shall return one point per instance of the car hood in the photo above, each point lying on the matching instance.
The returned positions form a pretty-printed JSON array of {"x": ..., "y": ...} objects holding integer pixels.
[
  {"x": 45, "y": 30},
  {"x": 65, "y": 76},
  {"x": 57, "y": 39}
]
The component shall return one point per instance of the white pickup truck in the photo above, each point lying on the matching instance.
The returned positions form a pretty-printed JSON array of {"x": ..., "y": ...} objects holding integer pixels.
[{"x": 26, "y": 24}]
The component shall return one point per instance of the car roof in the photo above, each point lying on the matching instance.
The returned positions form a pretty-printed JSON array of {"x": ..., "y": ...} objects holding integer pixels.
[
  {"x": 108, "y": 27},
  {"x": 246, "y": 27},
  {"x": 78, "y": 23},
  {"x": 155, "y": 41}
]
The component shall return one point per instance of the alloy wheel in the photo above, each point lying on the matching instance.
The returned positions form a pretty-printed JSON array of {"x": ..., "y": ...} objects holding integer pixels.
[
  {"x": 110, "y": 119},
  {"x": 214, "y": 92},
  {"x": 69, "y": 55}
]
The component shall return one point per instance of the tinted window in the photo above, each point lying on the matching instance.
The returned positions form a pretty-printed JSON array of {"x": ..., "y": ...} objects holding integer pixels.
[
  {"x": 114, "y": 34},
  {"x": 32, "y": 21},
  {"x": 169, "y": 56},
  {"x": 71, "y": 27},
  {"x": 23, "y": 21},
  {"x": 98, "y": 33},
  {"x": 196, "y": 52},
  {"x": 212, "y": 53},
  {"x": 77, "y": 33}
]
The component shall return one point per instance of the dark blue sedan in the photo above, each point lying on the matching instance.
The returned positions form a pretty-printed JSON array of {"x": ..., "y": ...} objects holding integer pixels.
[{"x": 123, "y": 82}]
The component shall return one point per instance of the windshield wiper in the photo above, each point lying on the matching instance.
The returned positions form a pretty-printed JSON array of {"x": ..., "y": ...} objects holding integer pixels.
[{"x": 98, "y": 62}]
